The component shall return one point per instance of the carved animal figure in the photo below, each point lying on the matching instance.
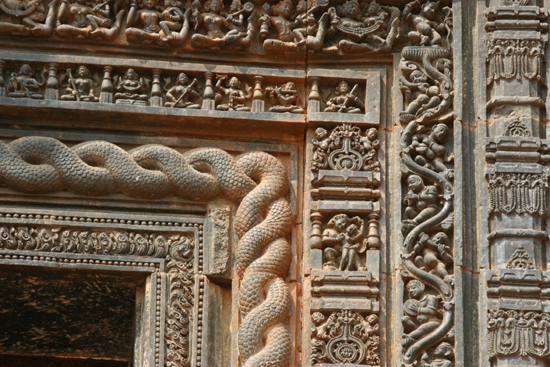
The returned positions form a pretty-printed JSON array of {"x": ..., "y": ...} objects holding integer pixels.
[{"x": 263, "y": 254}]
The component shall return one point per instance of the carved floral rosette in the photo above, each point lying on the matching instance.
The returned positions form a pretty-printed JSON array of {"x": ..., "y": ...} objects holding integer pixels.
[{"x": 427, "y": 255}]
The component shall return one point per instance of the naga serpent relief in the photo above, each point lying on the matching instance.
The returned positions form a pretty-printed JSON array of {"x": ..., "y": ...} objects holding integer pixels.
[{"x": 257, "y": 182}]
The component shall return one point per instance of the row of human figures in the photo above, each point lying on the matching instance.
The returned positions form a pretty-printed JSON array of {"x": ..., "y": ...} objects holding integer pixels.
[
  {"x": 286, "y": 27},
  {"x": 131, "y": 88}
]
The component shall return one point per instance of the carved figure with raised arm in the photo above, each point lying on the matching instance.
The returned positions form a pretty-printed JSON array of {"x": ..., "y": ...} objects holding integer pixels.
[
  {"x": 27, "y": 17},
  {"x": 426, "y": 30},
  {"x": 216, "y": 30},
  {"x": 354, "y": 244},
  {"x": 82, "y": 19},
  {"x": 184, "y": 94},
  {"x": 233, "y": 95},
  {"x": 79, "y": 87},
  {"x": 422, "y": 202},
  {"x": 285, "y": 99},
  {"x": 345, "y": 100},
  {"x": 333, "y": 239},
  {"x": 23, "y": 85},
  {"x": 287, "y": 36}
]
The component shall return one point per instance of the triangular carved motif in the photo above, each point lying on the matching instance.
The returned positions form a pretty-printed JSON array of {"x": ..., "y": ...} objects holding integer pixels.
[{"x": 520, "y": 260}]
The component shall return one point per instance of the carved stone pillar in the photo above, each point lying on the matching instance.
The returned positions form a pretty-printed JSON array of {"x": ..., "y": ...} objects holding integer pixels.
[{"x": 517, "y": 179}]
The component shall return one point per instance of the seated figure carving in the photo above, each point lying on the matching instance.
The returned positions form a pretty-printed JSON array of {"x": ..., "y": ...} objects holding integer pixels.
[
  {"x": 184, "y": 94},
  {"x": 130, "y": 89},
  {"x": 420, "y": 313},
  {"x": 286, "y": 30},
  {"x": 442, "y": 357},
  {"x": 23, "y": 85},
  {"x": 216, "y": 30},
  {"x": 422, "y": 203},
  {"x": 27, "y": 17},
  {"x": 427, "y": 32},
  {"x": 81, "y": 87},
  {"x": 232, "y": 95},
  {"x": 345, "y": 101},
  {"x": 285, "y": 99},
  {"x": 147, "y": 24},
  {"x": 352, "y": 28},
  {"x": 82, "y": 19}
]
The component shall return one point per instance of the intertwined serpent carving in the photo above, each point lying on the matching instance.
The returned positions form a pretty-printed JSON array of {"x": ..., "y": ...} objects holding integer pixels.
[{"x": 256, "y": 181}]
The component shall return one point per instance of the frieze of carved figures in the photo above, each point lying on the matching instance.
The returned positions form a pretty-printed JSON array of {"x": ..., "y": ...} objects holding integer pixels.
[
  {"x": 24, "y": 84},
  {"x": 346, "y": 148},
  {"x": 217, "y": 29},
  {"x": 131, "y": 88},
  {"x": 231, "y": 97},
  {"x": 345, "y": 99},
  {"x": 345, "y": 337},
  {"x": 514, "y": 59},
  {"x": 427, "y": 162},
  {"x": 92, "y": 19},
  {"x": 284, "y": 98},
  {"x": 520, "y": 260},
  {"x": 184, "y": 94},
  {"x": 520, "y": 193},
  {"x": 518, "y": 333},
  {"x": 344, "y": 243},
  {"x": 257, "y": 182},
  {"x": 27, "y": 17},
  {"x": 352, "y": 28},
  {"x": 80, "y": 86}
]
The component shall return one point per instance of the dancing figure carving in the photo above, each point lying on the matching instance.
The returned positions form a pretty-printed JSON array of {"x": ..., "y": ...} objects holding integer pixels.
[{"x": 257, "y": 182}]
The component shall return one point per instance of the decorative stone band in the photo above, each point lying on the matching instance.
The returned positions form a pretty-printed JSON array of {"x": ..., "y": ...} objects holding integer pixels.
[
  {"x": 518, "y": 333},
  {"x": 520, "y": 193}
]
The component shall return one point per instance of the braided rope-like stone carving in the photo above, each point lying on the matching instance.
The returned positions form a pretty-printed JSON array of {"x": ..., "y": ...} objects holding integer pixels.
[{"x": 262, "y": 221}]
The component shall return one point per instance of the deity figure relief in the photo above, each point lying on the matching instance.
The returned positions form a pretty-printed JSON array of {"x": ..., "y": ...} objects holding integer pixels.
[
  {"x": 131, "y": 89},
  {"x": 184, "y": 94},
  {"x": 420, "y": 313},
  {"x": 232, "y": 95},
  {"x": 23, "y": 85},
  {"x": 354, "y": 28},
  {"x": 287, "y": 35},
  {"x": 79, "y": 88},
  {"x": 149, "y": 22},
  {"x": 430, "y": 151},
  {"x": 85, "y": 19},
  {"x": 344, "y": 238},
  {"x": 345, "y": 101},
  {"x": 27, "y": 17},
  {"x": 422, "y": 202},
  {"x": 434, "y": 254},
  {"x": 419, "y": 95},
  {"x": 442, "y": 357},
  {"x": 427, "y": 32},
  {"x": 321, "y": 146},
  {"x": 215, "y": 29},
  {"x": 284, "y": 98}
]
